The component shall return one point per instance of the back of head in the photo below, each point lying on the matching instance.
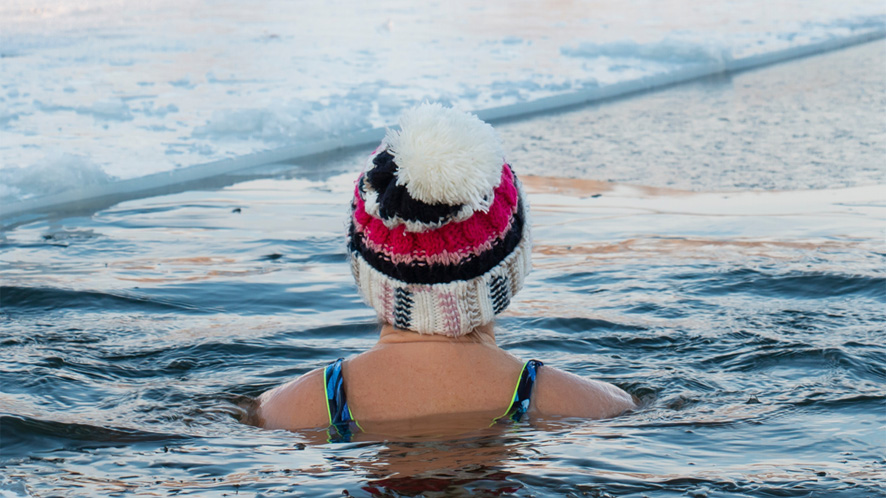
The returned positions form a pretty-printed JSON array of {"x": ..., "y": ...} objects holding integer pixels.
[{"x": 439, "y": 239}]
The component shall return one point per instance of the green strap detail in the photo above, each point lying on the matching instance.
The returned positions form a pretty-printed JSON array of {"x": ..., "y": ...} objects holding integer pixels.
[
  {"x": 326, "y": 397},
  {"x": 354, "y": 420},
  {"x": 513, "y": 395}
]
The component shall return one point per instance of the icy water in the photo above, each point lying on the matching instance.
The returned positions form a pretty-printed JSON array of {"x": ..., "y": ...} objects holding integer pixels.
[
  {"x": 170, "y": 84},
  {"x": 747, "y": 318}
]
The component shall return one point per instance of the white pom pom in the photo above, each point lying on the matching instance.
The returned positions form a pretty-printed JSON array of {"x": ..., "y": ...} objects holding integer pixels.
[{"x": 446, "y": 156}]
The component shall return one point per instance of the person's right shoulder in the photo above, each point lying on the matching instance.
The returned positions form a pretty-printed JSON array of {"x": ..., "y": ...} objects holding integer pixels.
[
  {"x": 568, "y": 395},
  {"x": 298, "y": 404}
]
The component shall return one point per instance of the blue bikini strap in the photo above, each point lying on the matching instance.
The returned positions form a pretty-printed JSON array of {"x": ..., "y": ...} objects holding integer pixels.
[
  {"x": 522, "y": 391},
  {"x": 337, "y": 403}
]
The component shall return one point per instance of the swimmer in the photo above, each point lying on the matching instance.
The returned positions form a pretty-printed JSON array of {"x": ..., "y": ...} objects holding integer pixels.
[{"x": 439, "y": 243}]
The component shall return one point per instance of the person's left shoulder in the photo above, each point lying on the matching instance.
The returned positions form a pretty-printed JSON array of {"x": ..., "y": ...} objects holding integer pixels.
[
  {"x": 299, "y": 404},
  {"x": 566, "y": 394}
]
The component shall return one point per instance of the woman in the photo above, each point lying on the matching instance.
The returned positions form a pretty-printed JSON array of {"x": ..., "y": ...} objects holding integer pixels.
[{"x": 439, "y": 243}]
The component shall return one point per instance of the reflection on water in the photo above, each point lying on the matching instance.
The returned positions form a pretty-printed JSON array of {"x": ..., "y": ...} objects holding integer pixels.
[{"x": 457, "y": 466}]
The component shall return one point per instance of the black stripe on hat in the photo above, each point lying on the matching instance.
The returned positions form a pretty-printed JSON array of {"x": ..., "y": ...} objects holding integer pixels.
[
  {"x": 394, "y": 200},
  {"x": 402, "y": 308},
  {"x": 442, "y": 273},
  {"x": 499, "y": 292}
]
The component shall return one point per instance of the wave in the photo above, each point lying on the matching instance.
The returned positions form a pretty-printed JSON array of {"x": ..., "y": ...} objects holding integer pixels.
[
  {"x": 26, "y": 436},
  {"x": 48, "y": 298},
  {"x": 794, "y": 285}
]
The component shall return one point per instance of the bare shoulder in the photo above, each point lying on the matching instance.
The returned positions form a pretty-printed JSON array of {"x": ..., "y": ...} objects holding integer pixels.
[
  {"x": 299, "y": 404},
  {"x": 565, "y": 394}
]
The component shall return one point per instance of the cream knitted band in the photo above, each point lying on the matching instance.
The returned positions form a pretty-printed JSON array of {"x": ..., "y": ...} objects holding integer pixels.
[{"x": 451, "y": 309}]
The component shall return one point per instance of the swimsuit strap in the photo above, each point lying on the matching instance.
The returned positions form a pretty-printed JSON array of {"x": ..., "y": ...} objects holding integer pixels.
[
  {"x": 522, "y": 392},
  {"x": 340, "y": 417}
]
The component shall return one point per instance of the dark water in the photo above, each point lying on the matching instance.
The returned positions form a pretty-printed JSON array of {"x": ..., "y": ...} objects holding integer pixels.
[
  {"x": 133, "y": 340},
  {"x": 749, "y": 324}
]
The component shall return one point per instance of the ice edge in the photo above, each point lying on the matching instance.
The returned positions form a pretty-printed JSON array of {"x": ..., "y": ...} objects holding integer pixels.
[{"x": 82, "y": 198}]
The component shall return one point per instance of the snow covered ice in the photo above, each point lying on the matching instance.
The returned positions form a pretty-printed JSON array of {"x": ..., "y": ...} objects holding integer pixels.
[{"x": 96, "y": 91}]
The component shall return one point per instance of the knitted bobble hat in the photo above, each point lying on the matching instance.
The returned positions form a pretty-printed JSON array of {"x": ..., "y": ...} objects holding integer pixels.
[{"x": 439, "y": 239}]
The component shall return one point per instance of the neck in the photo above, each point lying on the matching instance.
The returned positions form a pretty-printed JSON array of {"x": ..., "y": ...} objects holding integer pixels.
[{"x": 484, "y": 334}]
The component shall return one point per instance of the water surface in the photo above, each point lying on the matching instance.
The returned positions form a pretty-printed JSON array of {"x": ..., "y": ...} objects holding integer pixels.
[{"x": 748, "y": 321}]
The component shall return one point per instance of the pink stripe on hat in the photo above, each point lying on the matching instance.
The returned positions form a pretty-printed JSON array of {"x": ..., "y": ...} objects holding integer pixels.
[
  {"x": 456, "y": 237},
  {"x": 443, "y": 257}
]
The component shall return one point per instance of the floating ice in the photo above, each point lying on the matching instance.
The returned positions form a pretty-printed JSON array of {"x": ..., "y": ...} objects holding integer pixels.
[
  {"x": 158, "y": 87},
  {"x": 56, "y": 173},
  {"x": 112, "y": 109},
  {"x": 279, "y": 123},
  {"x": 6, "y": 116},
  {"x": 667, "y": 51}
]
